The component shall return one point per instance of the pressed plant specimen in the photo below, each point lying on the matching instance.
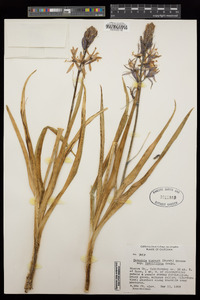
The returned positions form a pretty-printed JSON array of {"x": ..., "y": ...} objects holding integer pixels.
[
  {"x": 141, "y": 67},
  {"x": 43, "y": 188}
]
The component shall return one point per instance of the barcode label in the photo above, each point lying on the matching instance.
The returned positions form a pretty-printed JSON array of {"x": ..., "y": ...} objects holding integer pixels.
[{"x": 117, "y": 275}]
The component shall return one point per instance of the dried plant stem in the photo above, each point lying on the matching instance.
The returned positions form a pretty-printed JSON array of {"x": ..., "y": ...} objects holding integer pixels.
[
  {"x": 137, "y": 96},
  {"x": 138, "y": 93},
  {"x": 75, "y": 88},
  {"x": 29, "y": 278},
  {"x": 89, "y": 254},
  {"x": 74, "y": 96},
  {"x": 89, "y": 262}
]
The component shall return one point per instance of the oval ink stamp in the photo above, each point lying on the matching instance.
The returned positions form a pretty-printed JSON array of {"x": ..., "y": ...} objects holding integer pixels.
[{"x": 166, "y": 196}]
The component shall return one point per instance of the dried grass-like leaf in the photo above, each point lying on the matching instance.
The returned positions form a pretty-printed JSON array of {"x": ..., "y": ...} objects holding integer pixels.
[
  {"x": 25, "y": 124},
  {"x": 122, "y": 198},
  {"x": 75, "y": 111},
  {"x": 119, "y": 131},
  {"x": 76, "y": 137},
  {"x": 54, "y": 152},
  {"x": 24, "y": 150},
  {"x": 113, "y": 177},
  {"x": 70, "y": 68},
  {"x": 75, "y": 164},
  {"x": 133, "y": 174},
  {"x": 101, "y": 157}
]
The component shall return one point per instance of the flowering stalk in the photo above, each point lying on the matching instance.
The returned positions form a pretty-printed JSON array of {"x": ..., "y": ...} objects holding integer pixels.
[
  {"x": 81, "y": 61},
  {"x": 43, "y": 188},
  {"x": 141, "y": 67}
]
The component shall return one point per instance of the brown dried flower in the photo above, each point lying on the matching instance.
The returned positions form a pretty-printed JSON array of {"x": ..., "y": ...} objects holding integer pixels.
[
  {"x": 146, "y": 41},
  {"x": 84, "y": 58},
  {"x": 143, "y": 65},
  {"x": 89, "y": 37}
]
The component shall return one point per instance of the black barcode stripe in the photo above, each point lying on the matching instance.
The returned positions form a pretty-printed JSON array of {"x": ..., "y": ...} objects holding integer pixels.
[{"x": 117, "y": 275}]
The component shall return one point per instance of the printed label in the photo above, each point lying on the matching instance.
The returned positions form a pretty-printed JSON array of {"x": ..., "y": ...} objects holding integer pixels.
[{"x": 161, "y": 269}]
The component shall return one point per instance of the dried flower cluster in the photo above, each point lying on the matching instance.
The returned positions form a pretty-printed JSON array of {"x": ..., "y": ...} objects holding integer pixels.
[
  {"x": 84, "y": 58},
  {"x": 143, "y": 65},
  {"x": 89, "y": 37},
  {"x": 146, "y": 41}
]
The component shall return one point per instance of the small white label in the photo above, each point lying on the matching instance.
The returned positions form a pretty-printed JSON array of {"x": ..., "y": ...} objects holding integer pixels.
[
  {"x": 117, "y": 275},
  {"x": 166, "y": 196},
  {"x": 116, "y": 26},
  {"x": 160, "y": 269}
]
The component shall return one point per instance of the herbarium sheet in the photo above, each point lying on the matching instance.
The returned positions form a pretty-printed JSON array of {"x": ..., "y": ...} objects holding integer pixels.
[{"x": 100, "y": 156}]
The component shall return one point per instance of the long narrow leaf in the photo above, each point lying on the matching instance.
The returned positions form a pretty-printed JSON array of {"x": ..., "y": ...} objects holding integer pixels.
[
  {"x": 101, "y": 157},
  {"x": 54, "y": 151},
  {"x": 45, "y": 200},
  {"x": 25, "y": 124},
  {"x": 108, "y": 169},
  {"x": 34, "y": 170},
  {"x": 72, "y": 119},
  {"x": 119, "y": 131},
  {"x": 23, "y": 147},
  {"x": 113, "y": 177},
  {"x": 38, "y": 150},
  {"x": 74, "y": 167},
  {"x": 75, "y": 111},
  {"x": 77, "y": 135},
  {"x": 119, "y": 202},
  {"x": 133, "y": 174}
]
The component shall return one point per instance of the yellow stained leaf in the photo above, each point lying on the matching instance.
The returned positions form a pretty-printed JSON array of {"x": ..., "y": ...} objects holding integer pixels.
[
  {"x": 128, "y": 201},
  {"x": 52, "y": 199},
  {"x": 68, "y": 160},
  {"x": 32, "y": 201},
  {"x": 135, "y": 135},
  {"x": 47, "y": 160},
  {"x": 111, "y": 197},
  {"x": 83, "y": 258},
  {"x": 135, "y": 84},
  {"x": 38, "y": 266}
]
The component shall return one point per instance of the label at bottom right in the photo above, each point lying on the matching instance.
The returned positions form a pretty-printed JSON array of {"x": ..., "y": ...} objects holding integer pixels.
[{"x": 160, "y": 269}]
